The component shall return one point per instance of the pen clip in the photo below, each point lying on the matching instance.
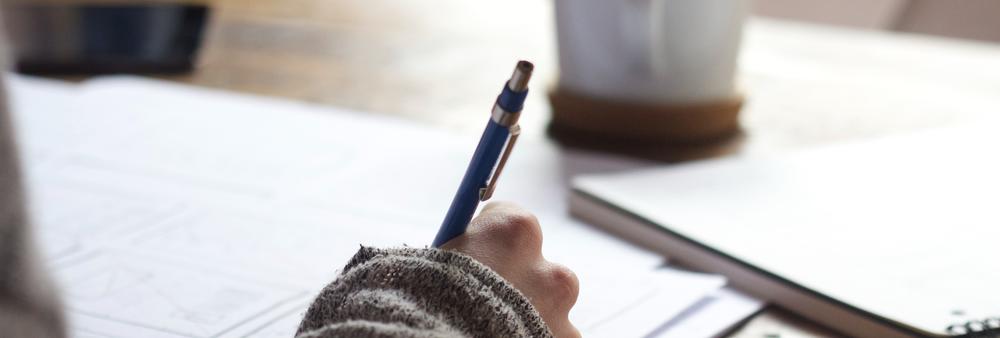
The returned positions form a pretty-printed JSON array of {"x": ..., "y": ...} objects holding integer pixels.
[{"x": 487, "y": 192}]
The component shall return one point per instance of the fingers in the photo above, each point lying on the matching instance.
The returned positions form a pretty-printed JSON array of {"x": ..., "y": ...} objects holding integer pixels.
[
  {"x": 508, "y": 239},
  {"x": 509, "y": 228},
  {"x": 563, "y": 285},
  {"x": 564, "y": 330},
  {"x": 553, "y": 290},
  {"x": 503, "y": 236},
  {"x": 556, "y": 292}
]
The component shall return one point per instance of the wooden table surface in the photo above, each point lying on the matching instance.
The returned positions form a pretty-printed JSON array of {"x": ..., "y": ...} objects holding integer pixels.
[{"x": 440, "y": 63}]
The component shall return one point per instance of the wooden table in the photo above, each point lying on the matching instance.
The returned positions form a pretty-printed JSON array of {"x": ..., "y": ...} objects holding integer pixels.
[{"x": 440, "y": 62}]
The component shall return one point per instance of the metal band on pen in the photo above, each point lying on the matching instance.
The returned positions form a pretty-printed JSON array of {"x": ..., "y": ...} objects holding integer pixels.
[{"x": 503, "y": 117}]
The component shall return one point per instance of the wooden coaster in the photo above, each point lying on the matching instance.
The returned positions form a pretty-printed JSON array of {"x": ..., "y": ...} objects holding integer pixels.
[
  {"x": 581, "y": 119},
  {"x": 645, "y": 123}
]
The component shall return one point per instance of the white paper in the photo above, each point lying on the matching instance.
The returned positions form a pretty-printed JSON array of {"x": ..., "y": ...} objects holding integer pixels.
[
  {"x": 712, "y": 316},
  {"x": 246, "y": 207},
  {"x": 635, "y": 305},
  {"x": 157, "y": 294}
]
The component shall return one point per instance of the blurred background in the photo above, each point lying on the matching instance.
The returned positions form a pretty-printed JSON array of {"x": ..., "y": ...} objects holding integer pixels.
[
  {"x": 406, "y": 57},
  {"x": 960, "y": 19}
]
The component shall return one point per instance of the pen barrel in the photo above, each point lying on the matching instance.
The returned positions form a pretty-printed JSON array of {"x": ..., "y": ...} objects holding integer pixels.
[
  {"x": 466, "y": 200},
  {"x": 506, "y": 111}
]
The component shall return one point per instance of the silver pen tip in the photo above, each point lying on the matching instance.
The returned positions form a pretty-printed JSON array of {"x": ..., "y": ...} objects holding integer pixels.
[{"x": 522, "y": 73}]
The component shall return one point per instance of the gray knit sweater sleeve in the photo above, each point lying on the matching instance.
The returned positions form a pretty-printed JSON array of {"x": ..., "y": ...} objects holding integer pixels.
[{"x": 406, "y": 292}]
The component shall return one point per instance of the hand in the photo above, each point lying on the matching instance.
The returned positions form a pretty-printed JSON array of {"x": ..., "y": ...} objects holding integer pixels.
[{"x": 508, "y": 239}]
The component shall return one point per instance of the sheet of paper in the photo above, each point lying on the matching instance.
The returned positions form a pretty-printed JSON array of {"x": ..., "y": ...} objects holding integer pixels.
[
  {"x": 654, "y": 298},
  {"x": 175, "y": 298},
  {"x": 339, "y": 154},
  {"x": 712, "y": 316},
  {"x": 137, "y": 185}
]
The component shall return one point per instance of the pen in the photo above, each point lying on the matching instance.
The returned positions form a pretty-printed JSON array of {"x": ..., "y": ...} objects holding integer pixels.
[{"x": 490, "y": 156}]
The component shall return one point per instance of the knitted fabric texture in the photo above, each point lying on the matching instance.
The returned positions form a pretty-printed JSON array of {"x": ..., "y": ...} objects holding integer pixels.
[{"x": 407, "y": 292}]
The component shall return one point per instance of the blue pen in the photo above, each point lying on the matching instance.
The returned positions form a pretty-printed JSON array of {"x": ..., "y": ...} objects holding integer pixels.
[{"x": 495, "y": 145}]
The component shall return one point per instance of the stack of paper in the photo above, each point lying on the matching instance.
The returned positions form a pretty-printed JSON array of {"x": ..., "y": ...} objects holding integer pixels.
[{"x": 173, "y": 211}]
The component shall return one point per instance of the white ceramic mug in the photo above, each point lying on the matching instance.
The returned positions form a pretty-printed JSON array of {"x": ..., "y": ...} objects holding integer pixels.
[{"x": 651, "y": 51}]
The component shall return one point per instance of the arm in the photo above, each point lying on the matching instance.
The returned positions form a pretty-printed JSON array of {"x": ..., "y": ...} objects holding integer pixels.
[{"x": 490, "y": 282}]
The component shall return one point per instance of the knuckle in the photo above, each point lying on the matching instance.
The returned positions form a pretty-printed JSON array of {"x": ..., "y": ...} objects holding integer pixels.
[
  {"x": 564, "y": 284},
  {"x": 523, "y": 221},
  {"x": 573, "y": 333},
  {"x": 519, "y": 230}
]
